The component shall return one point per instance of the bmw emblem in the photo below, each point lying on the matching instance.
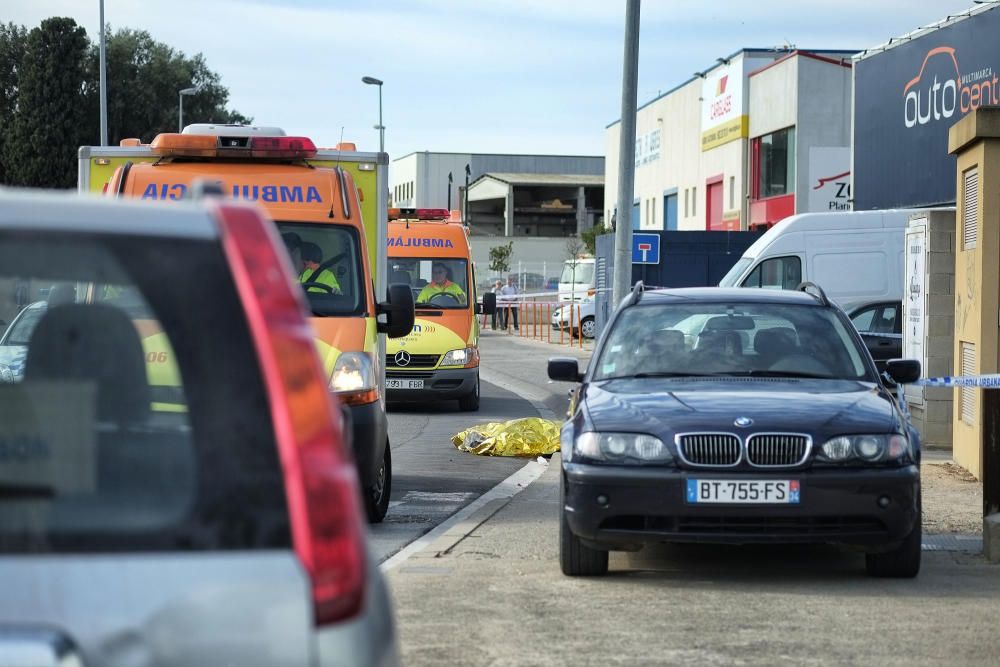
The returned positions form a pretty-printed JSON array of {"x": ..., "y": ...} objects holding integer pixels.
[
  {"x": 402, "y": 358},
  {"x": 743, "y": 422}
]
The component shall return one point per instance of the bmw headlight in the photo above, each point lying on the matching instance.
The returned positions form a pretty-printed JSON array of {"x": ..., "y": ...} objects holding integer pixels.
[
  {"x": 628, "y": 448},
  {"x": 867, "y": 448},
  {"x": 460, "y": 357},
  {"x": 353, "y": 371}
]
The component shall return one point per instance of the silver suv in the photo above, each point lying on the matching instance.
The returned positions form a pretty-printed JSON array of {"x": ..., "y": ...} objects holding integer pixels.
[{"x": 175, "y": 487}]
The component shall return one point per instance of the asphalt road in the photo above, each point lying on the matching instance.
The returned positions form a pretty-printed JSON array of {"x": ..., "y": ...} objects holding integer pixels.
[{"x": 432, "y": 479}]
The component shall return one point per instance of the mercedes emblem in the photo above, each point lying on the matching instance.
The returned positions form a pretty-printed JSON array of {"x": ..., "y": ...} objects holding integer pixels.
[{"x": 402, "y": 358}]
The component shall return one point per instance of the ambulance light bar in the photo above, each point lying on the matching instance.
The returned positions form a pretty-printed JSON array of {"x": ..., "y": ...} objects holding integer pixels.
[
  {"x": 419, "y": 214},
  {"x": 209, "y": 145}
]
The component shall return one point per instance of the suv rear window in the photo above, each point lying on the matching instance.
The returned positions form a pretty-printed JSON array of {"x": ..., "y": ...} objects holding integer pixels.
[{"x": 133, "y": 416}]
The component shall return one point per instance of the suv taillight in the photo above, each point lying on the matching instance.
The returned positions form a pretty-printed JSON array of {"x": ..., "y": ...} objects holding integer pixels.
[{"x": 320, "y": 481}]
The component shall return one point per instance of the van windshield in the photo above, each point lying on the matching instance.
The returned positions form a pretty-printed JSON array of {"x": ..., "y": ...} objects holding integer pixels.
[
  {"x": 577, "y": 273},
  {"x": 729, "y": 280},
  {"x": 436, "y": 282},
  {"x": 327, "y": 261}
]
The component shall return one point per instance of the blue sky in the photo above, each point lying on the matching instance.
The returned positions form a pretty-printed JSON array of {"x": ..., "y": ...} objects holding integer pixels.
[{"x": 512, "y": 76}]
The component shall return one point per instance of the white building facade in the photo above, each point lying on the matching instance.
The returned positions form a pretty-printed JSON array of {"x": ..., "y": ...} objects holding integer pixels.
[{"x": 693, "y": 160}]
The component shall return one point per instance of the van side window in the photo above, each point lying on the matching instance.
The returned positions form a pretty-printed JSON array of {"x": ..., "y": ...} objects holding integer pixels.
[{"x": 776, "y": 273}]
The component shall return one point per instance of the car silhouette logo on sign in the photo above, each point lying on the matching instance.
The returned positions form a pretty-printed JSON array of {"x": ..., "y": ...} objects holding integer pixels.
[{"x": 402, "y": 358}]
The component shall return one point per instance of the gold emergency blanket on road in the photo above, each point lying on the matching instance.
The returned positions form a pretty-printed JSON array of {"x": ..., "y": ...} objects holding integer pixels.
[{"x": 530, "y": 436}]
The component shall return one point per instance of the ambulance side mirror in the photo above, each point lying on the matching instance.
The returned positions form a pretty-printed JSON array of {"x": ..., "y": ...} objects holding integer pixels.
[
  {"x": 398, "y": 311},
  {"x": 489, "y": 305}
]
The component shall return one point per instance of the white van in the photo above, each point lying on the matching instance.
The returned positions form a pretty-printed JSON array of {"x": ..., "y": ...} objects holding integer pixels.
[
  {"x": 577, "y": 279},
  {"x": 855, "y": 256}
]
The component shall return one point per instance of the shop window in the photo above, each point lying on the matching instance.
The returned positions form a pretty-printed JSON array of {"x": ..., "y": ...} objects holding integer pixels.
[
  {"x": 777, "y": 273},
  {"x": 775, "y": 163}
]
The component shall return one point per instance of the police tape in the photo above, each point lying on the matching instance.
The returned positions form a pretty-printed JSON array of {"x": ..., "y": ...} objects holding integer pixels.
[{"x": 989, "y": 381}]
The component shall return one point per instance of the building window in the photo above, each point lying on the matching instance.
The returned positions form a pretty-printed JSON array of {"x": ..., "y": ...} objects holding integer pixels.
[
  {"x": 732, "y": 192},
  {"x": 775, "y": 157}
]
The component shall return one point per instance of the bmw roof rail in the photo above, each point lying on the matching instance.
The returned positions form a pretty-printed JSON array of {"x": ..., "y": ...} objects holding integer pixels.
[
  {"x": 637, "y": 291},
  {"x": 804, "y": 287}
]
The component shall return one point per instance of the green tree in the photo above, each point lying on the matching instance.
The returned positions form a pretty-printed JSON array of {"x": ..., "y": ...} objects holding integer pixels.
[
  {"x": 144, "y": 77},
  {"x": 589, "y": 238},
  {"x": 500, "y": 258},
  {"x": 51, "y": 110},
  {"x": 13, "y": 39}
]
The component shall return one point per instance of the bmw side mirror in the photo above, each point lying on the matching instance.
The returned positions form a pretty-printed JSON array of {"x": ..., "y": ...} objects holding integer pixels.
[
  {"x": 564, "y": 369},
  {"x": 398, "y": 311},
  {"x": 903, "y": 371}
]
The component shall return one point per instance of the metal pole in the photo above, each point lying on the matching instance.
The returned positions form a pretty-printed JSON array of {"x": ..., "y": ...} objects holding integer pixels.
[
  {"x": 626, "y": 155},
  {"x": 104, "y": 84},
  {"x": 449, "y": 191},
  {"x": 180, "y": 111},
  {"x": 381, "y": 127}
]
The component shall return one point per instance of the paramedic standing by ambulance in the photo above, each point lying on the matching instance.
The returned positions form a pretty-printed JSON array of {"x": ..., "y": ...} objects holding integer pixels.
[
  {"x": 509, "y": 294},
  {"x": 440, "y": 284}
]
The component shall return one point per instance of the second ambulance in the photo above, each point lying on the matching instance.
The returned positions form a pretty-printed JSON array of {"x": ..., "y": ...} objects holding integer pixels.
[{"x": 439, "y": 360}]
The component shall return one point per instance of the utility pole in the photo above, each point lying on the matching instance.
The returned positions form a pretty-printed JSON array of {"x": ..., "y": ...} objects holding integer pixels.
[
  {"x": 449, "y": 191},
  {"x": 104, "y": 84},
  {"x": 626, "y": 156}
]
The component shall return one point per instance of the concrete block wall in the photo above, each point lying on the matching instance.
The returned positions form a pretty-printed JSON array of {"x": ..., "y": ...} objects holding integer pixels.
[{"x": 934, "y": 418}]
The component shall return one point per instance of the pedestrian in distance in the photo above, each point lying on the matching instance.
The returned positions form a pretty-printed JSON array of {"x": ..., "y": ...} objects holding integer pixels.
[
  {"x": 509, "y": 293},
  {"x": 496, "y": 311}
]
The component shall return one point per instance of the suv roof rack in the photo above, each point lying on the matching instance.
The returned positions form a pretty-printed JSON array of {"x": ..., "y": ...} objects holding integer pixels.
[
  {"x": 804, "y": 287},
  {"x": 637, "y": 291}
]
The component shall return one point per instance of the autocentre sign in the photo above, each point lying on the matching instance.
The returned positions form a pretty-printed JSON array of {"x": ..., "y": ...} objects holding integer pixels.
[{"x": 905, "y": 100}]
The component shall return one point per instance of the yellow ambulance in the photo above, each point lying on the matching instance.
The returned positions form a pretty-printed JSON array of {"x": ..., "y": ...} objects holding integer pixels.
[{"x": 439, "y": 360}]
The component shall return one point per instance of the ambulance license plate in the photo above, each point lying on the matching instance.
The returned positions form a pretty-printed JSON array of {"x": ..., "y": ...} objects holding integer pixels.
[
  {"x": 740, "y": 492},
  {"x": 394, "y": 383}
]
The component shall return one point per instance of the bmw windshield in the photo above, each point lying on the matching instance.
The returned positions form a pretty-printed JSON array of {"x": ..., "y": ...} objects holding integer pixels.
[{"x": 750, "y": 339}]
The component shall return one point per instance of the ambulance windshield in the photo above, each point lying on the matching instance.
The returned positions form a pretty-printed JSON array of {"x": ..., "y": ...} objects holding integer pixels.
[
  {"x": 326, "y": 259},
  {"x": 436, "y": 282}
]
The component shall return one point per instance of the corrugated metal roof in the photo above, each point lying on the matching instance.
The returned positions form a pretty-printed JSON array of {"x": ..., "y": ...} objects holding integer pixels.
[{"x": 544, "y": 179}]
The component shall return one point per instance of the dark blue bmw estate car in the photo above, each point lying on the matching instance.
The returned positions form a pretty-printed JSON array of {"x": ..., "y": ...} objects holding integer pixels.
[{"x": 736, "y": 416}]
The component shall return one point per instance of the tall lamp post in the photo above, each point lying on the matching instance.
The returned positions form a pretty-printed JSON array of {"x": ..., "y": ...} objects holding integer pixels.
[
  {"x": 180, "y": 105},
  {"x": 465, "y": 212},
  {"x": 103, "y": 83},
  {"x": 449, "y": 190},
  {"x": 372, "y": 81}
]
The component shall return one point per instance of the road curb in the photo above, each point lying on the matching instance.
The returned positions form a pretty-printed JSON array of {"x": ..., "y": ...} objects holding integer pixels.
[{"x": 461, "y": 524}]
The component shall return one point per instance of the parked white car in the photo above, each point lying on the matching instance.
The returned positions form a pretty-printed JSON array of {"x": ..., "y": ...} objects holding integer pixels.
[{"x": 562, "y": 315}]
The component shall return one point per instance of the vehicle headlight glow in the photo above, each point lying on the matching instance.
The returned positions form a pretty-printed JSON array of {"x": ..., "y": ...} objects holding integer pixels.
[
  {"x": 459, "y": 357},
  {"x": 869, "y": 448},
  {"x": 629, "y": 448},
  {"x": 353, "y": 372}
]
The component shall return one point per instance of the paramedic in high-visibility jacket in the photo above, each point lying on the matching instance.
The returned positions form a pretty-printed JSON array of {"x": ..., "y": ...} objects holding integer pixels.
[
  {"x": 441, "y": 284},
  {"x": 312, "y": 257}
]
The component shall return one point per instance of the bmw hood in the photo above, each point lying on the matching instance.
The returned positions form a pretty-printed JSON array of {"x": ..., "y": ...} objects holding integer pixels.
[{"x": 821, "y": 408}]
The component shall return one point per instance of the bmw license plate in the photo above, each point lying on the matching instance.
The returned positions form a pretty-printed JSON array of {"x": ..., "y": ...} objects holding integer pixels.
[
  {"x": 403, "y": 384},
  {"x": 748, "y": 491}
]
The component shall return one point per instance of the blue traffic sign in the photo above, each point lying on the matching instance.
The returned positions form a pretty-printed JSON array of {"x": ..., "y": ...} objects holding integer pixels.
[{"x": 645, "y": 248}]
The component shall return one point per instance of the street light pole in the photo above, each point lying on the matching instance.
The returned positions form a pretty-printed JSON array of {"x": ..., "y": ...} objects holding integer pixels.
[
  {"x": 372, "y": 81},
  {"x": 465, "y": 211},
  {"x": 180, "y": 105},
  {"x": 104, "y": 84},
  {"x": 449, "y": 190}
]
